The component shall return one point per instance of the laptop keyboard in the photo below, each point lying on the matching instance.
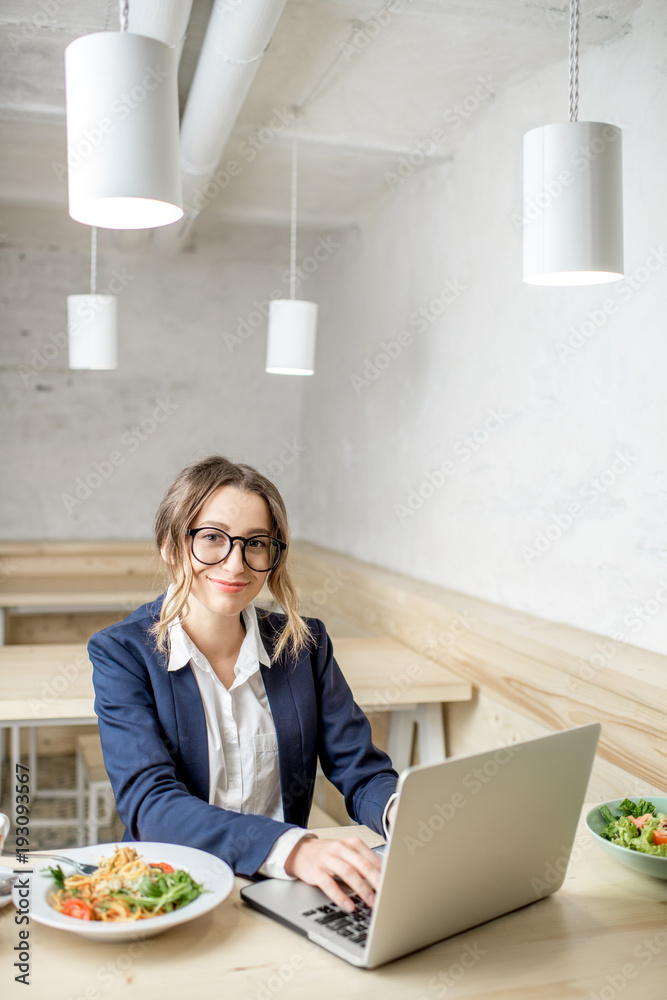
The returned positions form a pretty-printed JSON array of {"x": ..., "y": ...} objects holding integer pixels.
[{"x": 353, "y": 926}]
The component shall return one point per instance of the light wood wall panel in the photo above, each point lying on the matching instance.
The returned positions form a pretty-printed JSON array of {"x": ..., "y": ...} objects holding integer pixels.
[{"x": 546, "y": 675}]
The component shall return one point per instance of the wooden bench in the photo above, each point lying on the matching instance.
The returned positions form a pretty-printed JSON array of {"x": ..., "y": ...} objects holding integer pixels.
[{"x": 531, "y": 676}]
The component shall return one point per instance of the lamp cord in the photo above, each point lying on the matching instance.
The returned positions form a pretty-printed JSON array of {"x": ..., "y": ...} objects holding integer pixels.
[
  {"x": 124, "y": 15},
  {"x": 574, "y": 60},
  {"x": 93, "y": 260},
  {"x": 292, "y": 269}
]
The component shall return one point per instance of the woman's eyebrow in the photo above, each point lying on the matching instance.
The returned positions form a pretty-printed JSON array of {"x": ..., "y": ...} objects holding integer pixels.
[{"x": 225, "y": 527}]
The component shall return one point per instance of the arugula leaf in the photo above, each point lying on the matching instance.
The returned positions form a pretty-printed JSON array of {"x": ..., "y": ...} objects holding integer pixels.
[
  {"x": 58, "y": 876},
  {"x": 629, "y": 808},
  {"x": 162, "y": 892}
]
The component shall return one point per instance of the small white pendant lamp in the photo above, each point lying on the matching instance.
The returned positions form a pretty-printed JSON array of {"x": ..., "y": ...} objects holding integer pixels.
[
  {"x": 123, "y": 157},
  {"x": 292, "y": 322},
  {"x": 92, "y": 336},
  {"x": 573, "y": 195}
]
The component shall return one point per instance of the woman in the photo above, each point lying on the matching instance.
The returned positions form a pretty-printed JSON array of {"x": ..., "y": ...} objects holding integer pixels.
[{"x": 212, "y": 713}]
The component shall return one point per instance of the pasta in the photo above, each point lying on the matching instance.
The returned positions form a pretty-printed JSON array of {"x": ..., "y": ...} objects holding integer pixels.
[{"x": 124, "y": 887}]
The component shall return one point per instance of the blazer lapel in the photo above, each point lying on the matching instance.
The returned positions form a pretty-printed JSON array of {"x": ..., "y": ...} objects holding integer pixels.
[
  {"x": 293, "y": 781},
  {"x": 191, "y": 737}
]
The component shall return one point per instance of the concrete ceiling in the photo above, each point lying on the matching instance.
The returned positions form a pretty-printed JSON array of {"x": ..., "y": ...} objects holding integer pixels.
[{"x": 373, "y": 81}]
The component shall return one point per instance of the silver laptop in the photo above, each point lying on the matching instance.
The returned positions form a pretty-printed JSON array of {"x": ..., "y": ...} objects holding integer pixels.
[{"x": 474, "y": 838}]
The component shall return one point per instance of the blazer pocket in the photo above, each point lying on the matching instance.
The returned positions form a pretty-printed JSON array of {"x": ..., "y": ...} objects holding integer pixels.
[{"x": 266, "y": 791}]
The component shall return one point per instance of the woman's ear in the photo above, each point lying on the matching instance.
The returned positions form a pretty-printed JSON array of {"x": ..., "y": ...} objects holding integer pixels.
[{"x": 164, "y": 552}]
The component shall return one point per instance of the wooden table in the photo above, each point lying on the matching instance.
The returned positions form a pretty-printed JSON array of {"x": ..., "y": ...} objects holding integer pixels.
[
  {"x": 78, "y": 592},
  {"x": 602, "y": 936},
  {"x": 387, "y": 676},
  {"x": 43, "y": 686},
  {"x": 52, "y": 685}
]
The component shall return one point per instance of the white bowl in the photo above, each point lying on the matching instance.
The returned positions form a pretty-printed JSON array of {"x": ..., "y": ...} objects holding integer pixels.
[
  {"x": 647, "y": 864},
  {"x": 216, "y": 877}
]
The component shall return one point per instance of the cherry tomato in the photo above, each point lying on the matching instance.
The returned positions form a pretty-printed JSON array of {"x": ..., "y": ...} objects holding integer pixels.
[
  {"x": 660, "y": 833},
  {"x": 78, "y": 908},
  {"x": 167, "y": 869}
]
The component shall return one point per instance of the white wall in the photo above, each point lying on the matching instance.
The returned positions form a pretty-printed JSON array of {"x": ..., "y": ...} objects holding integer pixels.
[
  {"x": 364, "y": 451},
  {"x": 545, "y": 423},
  {"x": 210, "y": 392}
]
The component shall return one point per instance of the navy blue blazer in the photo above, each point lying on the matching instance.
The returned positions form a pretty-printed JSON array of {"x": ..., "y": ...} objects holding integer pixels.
[{"x": 155, "y": 744}]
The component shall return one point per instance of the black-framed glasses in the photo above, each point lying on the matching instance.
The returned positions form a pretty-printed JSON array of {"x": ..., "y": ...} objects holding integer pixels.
[{"x": 212, "y": 545}]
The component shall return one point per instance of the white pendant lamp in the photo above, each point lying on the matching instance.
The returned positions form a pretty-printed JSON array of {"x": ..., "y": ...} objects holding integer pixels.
[
  {"x": 123, "y": 157},
  {"x": 292, "y": 322},
  {"x": 573, "y": 195},
  {"x": 92, "y": 324}
]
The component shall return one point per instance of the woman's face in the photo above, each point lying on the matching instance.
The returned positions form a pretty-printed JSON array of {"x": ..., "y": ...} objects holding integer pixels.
[{"x": 229, "y": 586}]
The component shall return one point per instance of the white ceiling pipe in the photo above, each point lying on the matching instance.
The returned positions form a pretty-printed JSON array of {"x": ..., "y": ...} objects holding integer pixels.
[
  {"x": 237, "y": 36},
  {"x": 166, "y": 20}
]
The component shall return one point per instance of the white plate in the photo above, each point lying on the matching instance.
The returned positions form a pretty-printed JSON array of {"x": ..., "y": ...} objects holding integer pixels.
[
  {"x": 215, "y": 876},
  {"x": 7, "y": 897}
]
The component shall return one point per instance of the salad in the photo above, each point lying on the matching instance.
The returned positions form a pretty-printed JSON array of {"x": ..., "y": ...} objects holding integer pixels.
[{"x": 639, "y": 827}]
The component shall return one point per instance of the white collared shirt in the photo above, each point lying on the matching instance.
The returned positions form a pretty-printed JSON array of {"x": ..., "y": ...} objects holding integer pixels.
[{"x": 242, "y": 746}]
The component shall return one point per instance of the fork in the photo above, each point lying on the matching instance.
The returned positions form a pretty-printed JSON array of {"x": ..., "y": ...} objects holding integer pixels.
[{"x": 79, "y": 866}]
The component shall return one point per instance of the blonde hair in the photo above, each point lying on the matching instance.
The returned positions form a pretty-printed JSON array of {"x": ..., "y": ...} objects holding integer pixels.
[{"x": 182, "y": 502}]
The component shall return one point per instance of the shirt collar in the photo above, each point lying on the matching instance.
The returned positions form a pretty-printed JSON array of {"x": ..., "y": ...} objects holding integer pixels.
[{"x": 253, "y": 652}]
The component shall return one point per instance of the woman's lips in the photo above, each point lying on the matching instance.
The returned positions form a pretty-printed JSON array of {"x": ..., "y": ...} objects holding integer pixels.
[{"x": 226, "y": 586}]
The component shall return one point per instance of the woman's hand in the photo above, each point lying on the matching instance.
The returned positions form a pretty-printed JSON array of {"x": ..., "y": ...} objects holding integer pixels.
[{"x": 317, "y": 862}]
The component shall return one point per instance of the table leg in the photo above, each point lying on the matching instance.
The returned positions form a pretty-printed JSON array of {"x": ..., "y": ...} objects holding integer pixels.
[
  {"x": 431, "y": 733},
  {"x": 3, "y": 625},
  {"x": 3, "y": 740},
  {"x": 32, "y": 757},
  {"x": 15, "y": 759},
  {"x": 399, "y": 739}
]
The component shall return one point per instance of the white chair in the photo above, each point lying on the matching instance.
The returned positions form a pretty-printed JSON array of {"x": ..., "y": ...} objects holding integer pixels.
[{"x": 93, "y": 789}]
